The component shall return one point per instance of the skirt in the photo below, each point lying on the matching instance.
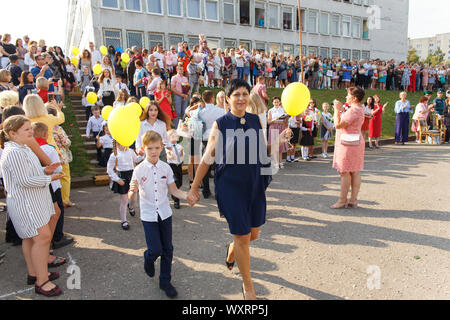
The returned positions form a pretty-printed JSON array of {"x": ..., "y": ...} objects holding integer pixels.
[
  {"x": 126, "y": 177},
  {"x": 307, "y": 139},
  {"x": 296, "y": 135},
  {"x": 365, "y": 126}
]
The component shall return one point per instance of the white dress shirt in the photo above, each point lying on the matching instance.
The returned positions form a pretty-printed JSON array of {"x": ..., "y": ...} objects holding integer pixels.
[
  {"x": 54, "y": 158},
  {"x": 153, "y": 183},
  {"x": 125, "y": 162},
  {"x": 159, "y": 127},
  {"x": 209, "y": 114},
  {"x": 120, "y": 86},
  {"x": 94, "y": 124},
  {"x": 106, "y": 141}
]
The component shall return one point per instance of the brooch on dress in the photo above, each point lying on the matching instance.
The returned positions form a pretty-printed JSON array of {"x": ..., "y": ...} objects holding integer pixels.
[{"x": 243, "y": 121}]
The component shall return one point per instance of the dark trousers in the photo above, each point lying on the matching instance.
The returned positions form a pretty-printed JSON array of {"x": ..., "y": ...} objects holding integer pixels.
[
  {"x": 132, "y": 89},
  {"x": 88, "y": 112},
  {"x": 58, "y": 235},
  {"x": 178, "y": 175},
  {"x": 99, "y": 150},
  {"x": 158, "y": 236},
  {"x": 402, "y": 127},
  {"x": 206, "y": 189},
  {"x": 447, "y": 134},
  {"x": 105, "y": 157}
]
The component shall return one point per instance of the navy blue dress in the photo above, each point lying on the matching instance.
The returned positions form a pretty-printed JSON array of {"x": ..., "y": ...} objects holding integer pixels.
[{"x": 240, "y": 188}]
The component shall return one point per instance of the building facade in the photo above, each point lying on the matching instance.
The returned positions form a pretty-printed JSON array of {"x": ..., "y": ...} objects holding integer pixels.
[
  {"x": 425, "y": 46},
  {"x": 356, "y": 29}
]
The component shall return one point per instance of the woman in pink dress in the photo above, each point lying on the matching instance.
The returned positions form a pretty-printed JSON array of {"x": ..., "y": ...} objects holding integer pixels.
[
  {"x": 349, "y": 146},
  {"x": 425, "y": 77}
]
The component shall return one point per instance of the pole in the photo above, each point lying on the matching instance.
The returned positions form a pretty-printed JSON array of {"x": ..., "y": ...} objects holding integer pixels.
[{"x": 301, "y": 42}]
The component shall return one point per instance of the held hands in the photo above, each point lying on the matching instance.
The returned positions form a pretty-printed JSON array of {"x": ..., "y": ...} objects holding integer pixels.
[
  {"x": 57, "y": 176},
  {"x": 134, "y": 186},
  {"x": 51, "y": 168},
  {"x": 193, "y": 197}
]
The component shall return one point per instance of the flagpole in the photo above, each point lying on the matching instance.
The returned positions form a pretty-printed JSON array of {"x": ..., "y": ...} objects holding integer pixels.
[{"x": 301, "y": 42}]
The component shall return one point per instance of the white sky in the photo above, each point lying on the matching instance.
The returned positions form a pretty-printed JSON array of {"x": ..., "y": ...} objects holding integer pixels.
[{"x": 46, "y": 19}]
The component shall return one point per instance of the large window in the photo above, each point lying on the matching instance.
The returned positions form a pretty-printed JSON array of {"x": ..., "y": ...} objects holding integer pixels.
[
  {"x": 261, "y": 46},
  {"x": 312, "y": 21},
  {"x": 335, "y": 23},
  {"x": 154, "y": 6},
  {"x": 274, "y": 47},
  {"x": 174, "y": 7},
  {"x": 274, "y": 16},
  {"x": 365, "y": 55},
  {"x": 135, "y": 39},
  {"x": 356, "y": 27},
  {"x": 192, "y": 41},
  {"x": 212, "y": 10},
  {"x": 356, "y": 55},
  {"x": 288, "y": 49},
  {"x": 324, "y": 53},
  {"x": 112, "y": 38},
  {"x": 345, "y": 54},
  {"x": 154, "y": 39},
  {"x": 365, "y": 29},
  {"x": 229, "y": 43},
  {"x": 174, "y": 40},
  {"x": 287, "y": 18},
  {"x": 244, "y": 12},
  {"x": 346, "y": 22},
  {"x": 260, "y": 14},
  {"x": 324, "y": 22},
  {"x": 133, "y": 5},
  {"x": 213, "y": 43},
  {"x": 247, "y": 44},
  {"x": 335, "y": 52},
  {"x": 228, "y": 11},
  {"x": 193, "y": 9},
  {"x": 302, "y": 19},
  {"x": 312, "y": 51},
  {"x": 110, "y": 4}
]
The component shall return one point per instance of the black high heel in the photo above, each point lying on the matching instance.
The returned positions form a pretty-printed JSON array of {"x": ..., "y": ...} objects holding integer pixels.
[{"x": 230, "y": 266}]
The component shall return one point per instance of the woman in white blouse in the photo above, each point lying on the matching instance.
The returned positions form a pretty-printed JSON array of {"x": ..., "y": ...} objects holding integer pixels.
[
  {"x": 30, "y": 57},
  {"x": 219, "y": 64},
  {"x": 107, "y": 92}
]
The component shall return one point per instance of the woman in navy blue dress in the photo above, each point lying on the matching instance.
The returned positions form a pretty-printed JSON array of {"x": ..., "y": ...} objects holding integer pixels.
[{"x": 242, "y": 175}]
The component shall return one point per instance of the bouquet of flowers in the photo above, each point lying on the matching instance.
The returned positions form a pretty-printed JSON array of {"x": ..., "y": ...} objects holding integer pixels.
[
  {"x": 309, "y": 118},
  {"x": 185, "y": 88}
]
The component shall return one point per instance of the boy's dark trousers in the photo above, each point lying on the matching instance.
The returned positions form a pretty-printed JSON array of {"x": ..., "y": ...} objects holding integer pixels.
[
  {"x": 447, "y": 134},
  {"x": 206, "y": 189},
  {"x": 59, "y": 234},
  {"x": 88, "y": 112},
  {"x": 158, "y": 236},
  {"x": 99, "y": 150},
  {"x": 178, "y": 175}
]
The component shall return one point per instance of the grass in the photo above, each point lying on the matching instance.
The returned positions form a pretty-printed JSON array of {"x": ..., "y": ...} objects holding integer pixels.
[{"x": 80, "y": 166}]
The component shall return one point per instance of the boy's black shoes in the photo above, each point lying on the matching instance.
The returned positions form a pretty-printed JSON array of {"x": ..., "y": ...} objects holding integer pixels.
[
  {"x": 176, "y": 204},
  {"x": 66, "y": 240},
  {"x": 170, "y": 291},
  {"x": 149, "y": 266}
]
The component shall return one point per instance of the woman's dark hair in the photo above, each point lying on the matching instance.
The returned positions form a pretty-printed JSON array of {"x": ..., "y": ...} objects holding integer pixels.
[
  {"x": 164, "y": 117},
  {"x": 12, "y": 111},
  {"x": 62, "y": 52},
  {"x": 276, "y": 98},
  {"x": 24, "y": 79},
  {"x": 372, "y": 104},
  {"x": 314, "y": 102},
  {"x": 357, "y": 92},
  {"x": 111, "y": 50},
  {"x": 235, "y": 85},
  {"x": 194, "y": 101}
]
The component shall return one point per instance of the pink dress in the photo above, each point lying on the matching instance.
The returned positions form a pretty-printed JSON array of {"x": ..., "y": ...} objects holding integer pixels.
[{"x": 350, "y": 158}]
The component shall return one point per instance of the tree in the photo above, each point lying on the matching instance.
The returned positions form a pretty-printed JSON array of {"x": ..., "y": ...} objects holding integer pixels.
[
  {"x": 436, "y": 57},
  {"x": 412, "y": 56}
]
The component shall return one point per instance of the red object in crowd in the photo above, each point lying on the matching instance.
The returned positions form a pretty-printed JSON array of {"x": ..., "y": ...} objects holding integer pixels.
[
  {"x": 412, "y": 80},
  {"x": 164, "y": 105},
  {"x": 375, "y": 122},
  {"x": 44, "y": 95}
]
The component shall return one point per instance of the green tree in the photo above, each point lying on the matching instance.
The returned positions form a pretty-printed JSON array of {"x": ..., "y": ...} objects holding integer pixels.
[
  {"x": 412, "y": 56},
  {"x": 438, "y": 57}
]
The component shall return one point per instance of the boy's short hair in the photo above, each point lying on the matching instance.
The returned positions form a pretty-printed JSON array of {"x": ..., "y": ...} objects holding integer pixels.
[
  {"x": 151, "y": 137},
  {"x": 39, "y": 129},
  {"x": 95, "y": 108},
  {"x": 52, "y": 110},
  {"x": 13, "y": 58},
  {"x": 208, "y": 96},
  {"x": 276, "y": 98},
  {"x": 42, "y": 83}
]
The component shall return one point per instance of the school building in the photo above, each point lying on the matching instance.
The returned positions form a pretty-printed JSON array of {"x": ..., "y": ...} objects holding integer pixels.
[
  {"x": 425, "y": 46},
  {"x": 356, "y": 29}
]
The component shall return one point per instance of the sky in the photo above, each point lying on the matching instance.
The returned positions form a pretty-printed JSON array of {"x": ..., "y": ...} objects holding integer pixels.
[{"x": 426, "y": 18}]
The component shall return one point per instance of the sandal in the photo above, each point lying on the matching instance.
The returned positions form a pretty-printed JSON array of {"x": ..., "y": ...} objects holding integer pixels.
[
  {"x": 56, "y": 291},
  {"x": 230, "y": 266},
  {"x": 58, "y": 261},
  {"x": 51, "y": 277}
]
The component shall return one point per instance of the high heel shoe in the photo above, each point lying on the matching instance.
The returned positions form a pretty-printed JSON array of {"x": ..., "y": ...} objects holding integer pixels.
[{"x": 229, "y": 265}]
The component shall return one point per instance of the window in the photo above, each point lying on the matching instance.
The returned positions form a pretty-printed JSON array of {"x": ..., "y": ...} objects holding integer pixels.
[
  {"x": 357, "y": 2},
  {"x": 324, "y": 22},
  {"x": 312, "y": 21},
  {"x": 193, "y": 9},
  {"x": 174, "y": 40},
  {"x": 274, "y": 47},
  {"x": 431, "y": 44},
  {"x": 302, "y": 18},
  {"x": 287, "y": 18},
  {"x": 356, "y": 55},
  {"x": 288, "y": 49},
  {"x": 312, "y": 51},
  {"x": 112, "y": 38},
  {"x": 155, "y": 39},
  {"x": 335, "y": 25},
  {"x": 335, "y": 52},
  {"x": 324, "y": 52},
  {"x": 365, "y": 55},
  {"x": 213, "y": 43},
  {"x": 154, "y": 6},
  {"x": 229, "y": 43},
  {"x": 244, "y": 11},
  {"x": 174, "y": 7},
  {"x": 247, "y": 44},
  {"x": 211, "y": 10},
  {"x": 228, "y": 11},
  {"x": 365, "y": 29},
  {"x": 346, "y": 21},
  {"x": 297, "y": 50},
  {"x": 192, "y": 41},
  {"x": 274, "y": 16},
  {"x": 356, "y": 27},
  {"x": 135, "y": 39},
  {"x": 419, "y": 46},
  {"x": 110, "y": 4},
  {"x": 261, "y": 46},
  {"x": 133, "y": 5},
  {"x": 366, "y": 2},
  {"x": 345, "y": 54},
  {"x": 260, "y": 14}
]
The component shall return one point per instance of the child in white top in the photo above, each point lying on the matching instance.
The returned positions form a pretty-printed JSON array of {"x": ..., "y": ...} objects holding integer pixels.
[
  {"x": 210, "y": 66},
  {"x": 120, "y": 169},
  {"x": 153, "y": 179},
  {"x": 326, "y": 132},
  {"x": 105, "y": 142},
  {"x": 175, "y": 159}
]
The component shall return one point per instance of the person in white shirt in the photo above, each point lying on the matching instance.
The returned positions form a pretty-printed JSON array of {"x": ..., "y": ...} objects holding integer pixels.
[
  {"x": 176, "y": 162},
  {"x": 107, "y": 92},
  {"x": 96, "y": 55},
  {"x": 153, "y": 179},
  {"x": 120, "y": 170},
  {"x": 94, "y": 127},
  {"x": 105, "y": 142},
  {"x": 120, "y": 78},
  {"x": 153, "y": 86}
]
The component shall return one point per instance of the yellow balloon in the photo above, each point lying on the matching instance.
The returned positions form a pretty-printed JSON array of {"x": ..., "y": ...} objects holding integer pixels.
[
  {"x": 104, "y": 50},
  {"x": 75, "y": 51},
  {"x": 295, "y": 98},
  {"x": 125, "y": 57},
  {"x": 137, "y": 108},
  {"x": 92, "y": 98},
  {"x": 106, "y": 112},
  {"x": 74, "y": 61},
  {"x": 144, "y": 102},
  {"x": 98, "y": 69},
  {"x": 124, "y": 125}
]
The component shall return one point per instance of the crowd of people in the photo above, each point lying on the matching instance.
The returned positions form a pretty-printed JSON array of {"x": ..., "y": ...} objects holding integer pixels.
[{"x": 35, "y": 160}]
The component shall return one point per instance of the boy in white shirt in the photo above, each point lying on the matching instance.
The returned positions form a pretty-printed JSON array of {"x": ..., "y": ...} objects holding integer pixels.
[
  {"x": 176, "y": 162},
  {"x": 94, "y": 127},
  {"x": 153, "y": 179}
]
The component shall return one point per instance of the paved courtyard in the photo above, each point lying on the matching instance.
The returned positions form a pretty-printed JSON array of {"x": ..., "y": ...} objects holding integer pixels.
[{"x": 395, "y": 246}]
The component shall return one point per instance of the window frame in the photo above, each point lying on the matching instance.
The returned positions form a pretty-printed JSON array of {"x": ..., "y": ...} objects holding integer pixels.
[
  {"x": 274, "y": 5},
  {"x": 181, "y": 10},
  {"x": 217, "y": 10},
  {"x": 292, "y": 17},
  {"x": 156, "y": 34},
  {"x": 110, "y": 8},
  {"x": 115, "y": 30},
  {"x": 174, "y": 35},
  {"x": 360, "y": 27},
  {"x": 316, "y": 24},
  {"x": 260, "y": 2},
  {"x": 131, "y": 10},
  {"x": 136, "y": 32},
  {"x": 232, "y": 3},
  {"x": 229, "y": 39},
  {"x": 199, "y": 10},
  {"x": 154, "y": 13},
  {"x": 339, "y": 27},
  {"x": 344, "y": 17},
  {"x": 328, "y": 24}
]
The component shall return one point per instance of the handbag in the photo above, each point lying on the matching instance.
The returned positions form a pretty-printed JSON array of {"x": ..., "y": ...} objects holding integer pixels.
[{"x": 351, "y": 139}]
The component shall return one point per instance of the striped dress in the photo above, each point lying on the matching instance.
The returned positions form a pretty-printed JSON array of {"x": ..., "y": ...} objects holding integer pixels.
[{"x": 28, "y": 199}]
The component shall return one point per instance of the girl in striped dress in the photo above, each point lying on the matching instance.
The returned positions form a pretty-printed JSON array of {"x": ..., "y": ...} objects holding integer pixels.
[{"x": 30, "y": 206}]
